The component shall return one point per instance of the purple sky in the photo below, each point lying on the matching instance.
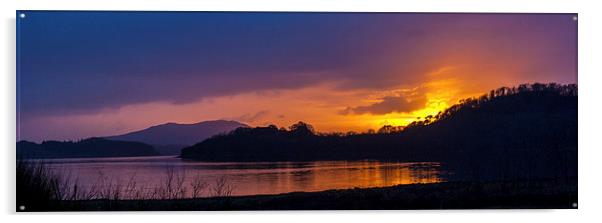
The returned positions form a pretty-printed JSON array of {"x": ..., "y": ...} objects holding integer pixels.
[{"x": 85, "y": 74}]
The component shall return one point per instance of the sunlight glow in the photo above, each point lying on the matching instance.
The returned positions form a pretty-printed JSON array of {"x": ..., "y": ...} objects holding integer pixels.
[{"x": 440, "y": 95}]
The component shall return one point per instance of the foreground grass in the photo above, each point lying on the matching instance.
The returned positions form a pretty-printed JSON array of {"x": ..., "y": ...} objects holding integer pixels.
[{"x": 449, "y": 195}]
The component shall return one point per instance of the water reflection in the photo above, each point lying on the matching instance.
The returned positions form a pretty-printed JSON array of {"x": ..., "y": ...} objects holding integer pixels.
[{"x": 247, "y": 178}]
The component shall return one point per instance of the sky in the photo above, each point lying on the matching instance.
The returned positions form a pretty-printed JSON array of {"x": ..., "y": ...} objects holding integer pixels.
[{"x": 84, "y": 74}]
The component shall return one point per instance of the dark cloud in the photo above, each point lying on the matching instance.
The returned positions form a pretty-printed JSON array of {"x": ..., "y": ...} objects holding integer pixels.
[
  {"x": 83, "y": 62},
  {"x": 388, "y": 105},
  {"x": 73, "y": 62}
]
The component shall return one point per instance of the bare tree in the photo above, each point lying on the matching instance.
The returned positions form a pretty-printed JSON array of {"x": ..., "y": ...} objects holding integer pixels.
[
  {"x": 173, "y": 184},
  {"x": 222, "y": 188},
  {"x": 198, "y": 186}
]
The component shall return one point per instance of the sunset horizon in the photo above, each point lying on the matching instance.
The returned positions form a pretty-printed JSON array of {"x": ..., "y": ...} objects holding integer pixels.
[
  {"x": 404, "y": 121},
  {"x": 367, "y": 122}
]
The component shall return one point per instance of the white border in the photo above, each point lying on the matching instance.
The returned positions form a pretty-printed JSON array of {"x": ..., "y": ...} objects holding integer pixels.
[{"x": 589, "y": 109}]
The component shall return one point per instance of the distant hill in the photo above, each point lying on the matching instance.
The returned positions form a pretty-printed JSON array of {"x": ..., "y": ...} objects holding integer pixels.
[
  {"x": 169, "y": 138},
  {"x": 525, "y": 131},
  {"x": 92, "y": 147}
]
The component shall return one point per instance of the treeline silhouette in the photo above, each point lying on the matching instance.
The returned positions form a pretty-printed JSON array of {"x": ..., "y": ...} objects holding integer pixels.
[
  {"x": 91, "y": 147},
  {"x": 520, "y": 132}
]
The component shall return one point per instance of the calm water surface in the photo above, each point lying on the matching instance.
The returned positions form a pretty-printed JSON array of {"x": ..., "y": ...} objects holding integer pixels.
[{"x": 250, "y": 178}]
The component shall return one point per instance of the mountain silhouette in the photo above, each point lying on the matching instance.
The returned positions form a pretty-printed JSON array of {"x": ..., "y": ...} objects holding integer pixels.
[
  {"x": 520, "y": 132},
  {"x": 169, "y": 138},
  {"x": 91, "y": 147}
]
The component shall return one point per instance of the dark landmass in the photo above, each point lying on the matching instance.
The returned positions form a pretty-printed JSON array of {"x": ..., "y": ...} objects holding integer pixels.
[
  {"x": 170, "y": 138},
  {"x": 527, "y": 131},
  {"x": 450, "y": 195},
  {"x": 92, "y": 147}
]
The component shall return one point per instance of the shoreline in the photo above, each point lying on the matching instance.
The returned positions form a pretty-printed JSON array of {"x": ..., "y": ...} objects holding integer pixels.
[{"x": 531, "y": 194}]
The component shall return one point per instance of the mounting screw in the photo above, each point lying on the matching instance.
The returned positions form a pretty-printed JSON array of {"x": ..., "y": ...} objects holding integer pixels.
[
  {"x": 22, "y": 207},
  {"x": 574, "y": 18},
  {"x": 575, "y": 204},
  {"x": 22, "y": 15}
]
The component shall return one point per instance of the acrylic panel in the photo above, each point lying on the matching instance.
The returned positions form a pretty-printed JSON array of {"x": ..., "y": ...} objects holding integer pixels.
[{"x": 186, "y": 111}]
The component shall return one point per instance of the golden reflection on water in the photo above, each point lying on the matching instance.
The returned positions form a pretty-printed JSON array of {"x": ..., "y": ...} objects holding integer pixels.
[{"x": 341, "y": 175}]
